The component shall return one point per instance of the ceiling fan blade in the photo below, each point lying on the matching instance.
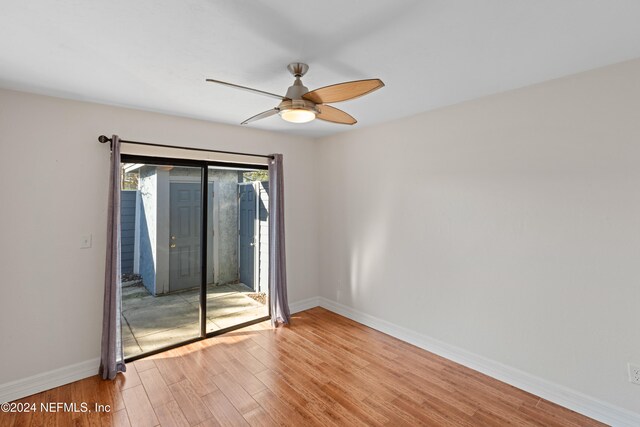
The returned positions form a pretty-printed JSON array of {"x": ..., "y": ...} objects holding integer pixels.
[
  {"x": 261, "y": 92},
  {"x": 343, "y": 91},
  {"x": 262, "y": 115},
  {"x": 333, "y": 115}
]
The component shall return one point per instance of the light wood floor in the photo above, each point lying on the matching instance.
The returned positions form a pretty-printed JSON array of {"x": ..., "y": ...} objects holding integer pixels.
[{"x": 323, "y": 370}]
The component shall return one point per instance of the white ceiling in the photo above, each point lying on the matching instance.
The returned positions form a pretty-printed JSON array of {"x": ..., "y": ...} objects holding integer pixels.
[{"x": 155, "y": 55}]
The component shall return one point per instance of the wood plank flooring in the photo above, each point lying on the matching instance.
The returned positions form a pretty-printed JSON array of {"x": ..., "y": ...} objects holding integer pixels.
[{"x": 323, "y": 370}]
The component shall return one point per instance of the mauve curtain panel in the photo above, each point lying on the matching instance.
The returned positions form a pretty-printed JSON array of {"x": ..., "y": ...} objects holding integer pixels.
[
  {"x": 277, "y": 255},
  {"x": 111, "y": 356}
]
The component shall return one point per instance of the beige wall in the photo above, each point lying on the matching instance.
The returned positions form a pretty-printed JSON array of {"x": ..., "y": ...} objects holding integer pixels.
[
  {"x": 508, "y": 226},
  {"x": 53, "y": 189}
]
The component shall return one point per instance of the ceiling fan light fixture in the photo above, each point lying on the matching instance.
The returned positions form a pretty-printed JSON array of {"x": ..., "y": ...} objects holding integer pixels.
[{"x": 298, "y": 115}]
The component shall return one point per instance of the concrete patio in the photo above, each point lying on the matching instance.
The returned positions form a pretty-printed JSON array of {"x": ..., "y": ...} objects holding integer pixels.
[{"x": 150, "y": 323}]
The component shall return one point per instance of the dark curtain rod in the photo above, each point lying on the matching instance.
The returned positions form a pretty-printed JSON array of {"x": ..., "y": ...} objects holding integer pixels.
[{"x": 103, "y": 139}]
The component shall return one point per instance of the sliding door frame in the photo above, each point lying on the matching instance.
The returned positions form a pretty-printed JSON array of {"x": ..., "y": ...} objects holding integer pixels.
[{"x": 204, "y": 261}]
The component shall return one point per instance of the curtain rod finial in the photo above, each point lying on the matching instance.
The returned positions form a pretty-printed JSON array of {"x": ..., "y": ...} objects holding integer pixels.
[{"x": 103, "y": 139}]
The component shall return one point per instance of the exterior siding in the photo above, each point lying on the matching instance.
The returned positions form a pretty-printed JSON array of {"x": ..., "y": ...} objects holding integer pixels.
[{"x": 127, "y": 232}]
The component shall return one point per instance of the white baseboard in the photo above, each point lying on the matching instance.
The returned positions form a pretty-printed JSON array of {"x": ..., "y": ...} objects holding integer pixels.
[
  {"x": 47, "y": 380},
  {"x": 303, "y": 305},
  {"x": 552, "y": 392}
]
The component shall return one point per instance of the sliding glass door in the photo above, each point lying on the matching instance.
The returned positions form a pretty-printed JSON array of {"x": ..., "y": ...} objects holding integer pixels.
[
  {"x": 194, "y": 256},
  {"x": 161, "y": 218},
  {"x": 238, "y": 292}
]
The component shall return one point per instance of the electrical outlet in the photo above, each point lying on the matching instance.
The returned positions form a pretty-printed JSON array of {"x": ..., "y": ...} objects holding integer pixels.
[
  {"x": 85, "y": 241},
  {"x": 634, "y": 373}
]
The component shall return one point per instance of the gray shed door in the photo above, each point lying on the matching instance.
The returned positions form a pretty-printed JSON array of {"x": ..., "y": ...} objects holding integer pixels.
[
  {"x": 247, "y": 234},
  {"x": 263, "y": 236},
  {"x": 184, "y": 226}
]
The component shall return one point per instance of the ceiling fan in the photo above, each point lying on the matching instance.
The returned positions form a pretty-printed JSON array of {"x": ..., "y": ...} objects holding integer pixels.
[{"x": 300, "y": 105}]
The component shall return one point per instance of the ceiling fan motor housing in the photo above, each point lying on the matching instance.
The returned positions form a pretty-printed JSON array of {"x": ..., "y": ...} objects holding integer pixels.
[
  {"x": 297, "y": 104},
  {"x": 295, "y": 92}
]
